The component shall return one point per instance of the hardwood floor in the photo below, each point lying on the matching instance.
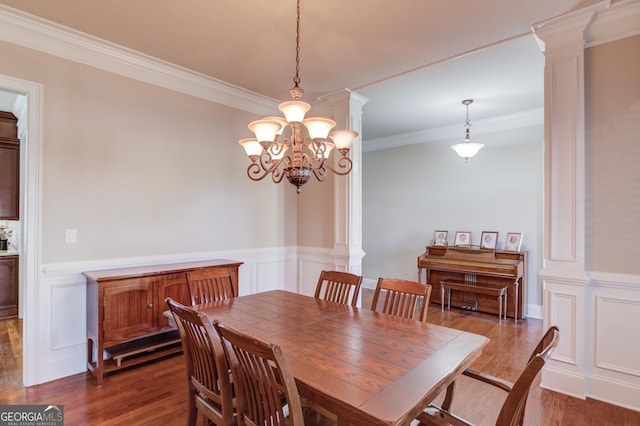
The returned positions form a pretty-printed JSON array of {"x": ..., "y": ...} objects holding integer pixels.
[{"x": 155, "y": 393}]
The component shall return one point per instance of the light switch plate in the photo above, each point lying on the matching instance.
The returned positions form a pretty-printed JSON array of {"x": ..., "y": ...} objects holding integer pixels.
[{"x": 70, "y": 236}]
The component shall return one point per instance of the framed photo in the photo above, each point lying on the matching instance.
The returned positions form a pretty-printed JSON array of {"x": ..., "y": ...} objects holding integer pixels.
[
  {"x": 463, "y": 239},
  {"x": 440, "y": 238},
  {"x": 488, "y": 240},
  {"x": 513, "y": 241}
]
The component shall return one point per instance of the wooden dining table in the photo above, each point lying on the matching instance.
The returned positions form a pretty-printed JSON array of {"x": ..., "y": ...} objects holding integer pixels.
[{"x": 366, "y": 367}]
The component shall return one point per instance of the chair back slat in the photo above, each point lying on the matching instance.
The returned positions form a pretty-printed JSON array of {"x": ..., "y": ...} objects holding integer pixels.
[
  {"x": 402, "y": 298},
  {"x": 207, "y": 367},
  {"x": 339, "y": 287},
  {"x": 261, "y": 377},
  {"x": 210, "y": 285}
]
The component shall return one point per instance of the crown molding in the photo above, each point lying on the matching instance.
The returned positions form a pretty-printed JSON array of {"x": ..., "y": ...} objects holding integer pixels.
[
  {"x": 599, "y": 23},
  {"x": 621, "y": 20},
  {"x": 45, "y": 36},
  {"x": 480, "y": 127}
]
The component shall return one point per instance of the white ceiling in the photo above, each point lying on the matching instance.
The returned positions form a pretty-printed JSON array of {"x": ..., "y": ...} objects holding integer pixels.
[{"x": 415, "y": 60}]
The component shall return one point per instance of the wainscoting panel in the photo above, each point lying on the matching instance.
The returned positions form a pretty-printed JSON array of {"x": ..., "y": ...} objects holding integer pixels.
[
  {"x": 616, "y": 321},
  {"x": 68, "y": 324},
  {"x": 614, "y": 375},
  {"x": 311, "y": 262},
  {"x": 563, "y": 303},
  {"x": 564, "y": 306}
]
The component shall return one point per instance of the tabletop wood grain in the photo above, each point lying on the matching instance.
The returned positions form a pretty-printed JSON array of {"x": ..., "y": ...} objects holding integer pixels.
[{"x": 367, "y": 367}]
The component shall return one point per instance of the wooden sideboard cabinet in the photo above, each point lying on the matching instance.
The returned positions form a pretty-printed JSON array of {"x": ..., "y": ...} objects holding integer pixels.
[
  {"x": 8, "y": 286},
  {"x": 482, "y": 267},
  {"x": 125, "y": 321}
]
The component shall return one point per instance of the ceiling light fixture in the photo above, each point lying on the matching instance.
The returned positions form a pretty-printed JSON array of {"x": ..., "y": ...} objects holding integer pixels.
[
  {"x": 467, "y": 149},
  {"x": 293, "y": 146}
]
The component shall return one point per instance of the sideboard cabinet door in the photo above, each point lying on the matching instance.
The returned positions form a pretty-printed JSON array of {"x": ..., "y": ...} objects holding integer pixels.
[
  {"x": 176, "y": 287},
  {"x": 128, "y": 310}
]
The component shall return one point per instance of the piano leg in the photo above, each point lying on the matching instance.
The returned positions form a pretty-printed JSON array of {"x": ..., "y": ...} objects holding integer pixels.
[{"x": 517, "y": 284}]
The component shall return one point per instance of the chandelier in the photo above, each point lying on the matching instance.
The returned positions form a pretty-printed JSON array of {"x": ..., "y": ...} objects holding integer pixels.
[
  {"x": 467, "y": 149},
  {"x": 295, "y": 146}
]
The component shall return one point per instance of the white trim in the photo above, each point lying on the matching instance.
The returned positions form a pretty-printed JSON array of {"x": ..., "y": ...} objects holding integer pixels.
[
  {"x": 535, "y": 311},
  {"x": 622, "y": 20},
  {"x": 615, "y": 392},
  {"x": 563, "y": 381},
  {"x": 610, "y": 279},
  {"x": 29, "y": 31},
  {"x": 31, "y": 218}
]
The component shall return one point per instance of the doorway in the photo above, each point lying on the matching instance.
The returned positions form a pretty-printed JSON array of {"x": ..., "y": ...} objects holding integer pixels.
[{"x": 29, "y": 114}]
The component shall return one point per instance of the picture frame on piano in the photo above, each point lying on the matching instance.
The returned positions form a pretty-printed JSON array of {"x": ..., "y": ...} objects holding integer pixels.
[
  {"x": 463, "y": 239},
  {"x": 513, "y": 242},
  {"x": 440, "y": 238},
  {"x": 488, "y": 240}
]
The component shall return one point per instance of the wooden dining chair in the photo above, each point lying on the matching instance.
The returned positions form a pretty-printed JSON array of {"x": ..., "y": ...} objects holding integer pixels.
[
  {"x": 263, "y": 381},
  {"x": 339, "y": 287},
  {"x": 208, "y": 381},
  {"x": 402, "y": 298},
  {"x": 210, "y": 285},
  {"x": 512, "y": 411}
]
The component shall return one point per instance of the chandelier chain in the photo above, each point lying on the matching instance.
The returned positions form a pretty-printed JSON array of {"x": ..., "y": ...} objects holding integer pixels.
[{"x": 296, "y": 79}]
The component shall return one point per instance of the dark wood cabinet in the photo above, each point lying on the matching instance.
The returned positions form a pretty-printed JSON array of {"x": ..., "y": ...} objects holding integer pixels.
[
  {"x": 126, "y": 324},
  {"x": 9, "y": 167},
  {"x": 8, "y": 286}
]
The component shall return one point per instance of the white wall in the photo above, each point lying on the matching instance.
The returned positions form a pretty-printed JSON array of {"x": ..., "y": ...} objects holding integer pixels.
[{"x": 411, "y": 191}]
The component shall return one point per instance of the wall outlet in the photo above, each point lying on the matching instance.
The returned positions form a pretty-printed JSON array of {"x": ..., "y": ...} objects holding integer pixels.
[{"x": 70, "y": 236}]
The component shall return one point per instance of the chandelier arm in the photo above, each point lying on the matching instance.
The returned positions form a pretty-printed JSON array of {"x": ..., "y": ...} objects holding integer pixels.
[
  {"x": 256, "y": 172},
  {"x": 320, "y": 173},
  {"x": 314, "y": 161},
  {"x": 277, "y": 172},
  {"x": 344, "y": 166},
  {"x": 260, "y": 169}
]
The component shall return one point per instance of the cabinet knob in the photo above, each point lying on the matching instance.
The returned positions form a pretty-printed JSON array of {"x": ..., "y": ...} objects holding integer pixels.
[{"x": 150, "y": 305}]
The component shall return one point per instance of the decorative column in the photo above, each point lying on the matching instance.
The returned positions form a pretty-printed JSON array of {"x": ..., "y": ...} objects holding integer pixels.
[
  {"x": 345, "y": 107},
  {"x": 564, "y": 277}
]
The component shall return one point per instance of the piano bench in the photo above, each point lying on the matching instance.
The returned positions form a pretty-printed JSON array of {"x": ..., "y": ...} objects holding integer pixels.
[{"x": 499, "y": 292}]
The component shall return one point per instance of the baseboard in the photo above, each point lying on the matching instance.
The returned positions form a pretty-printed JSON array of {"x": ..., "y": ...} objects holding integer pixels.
[
  {"x": 535, "y": 311},
  {"x": 63, "y": 366},
  {"x": 563, "y": 382},
  {"x": 615, "y": 392}
]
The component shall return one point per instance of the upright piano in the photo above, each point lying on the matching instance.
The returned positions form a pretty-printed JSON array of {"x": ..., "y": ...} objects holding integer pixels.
[{"x": 476, "y": 266}]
